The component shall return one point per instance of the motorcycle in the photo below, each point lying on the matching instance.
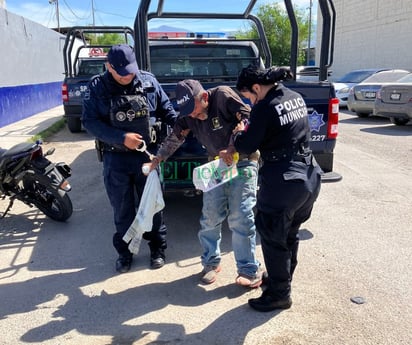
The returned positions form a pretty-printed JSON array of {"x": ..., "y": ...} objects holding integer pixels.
[{"x": 27, "y": 175}]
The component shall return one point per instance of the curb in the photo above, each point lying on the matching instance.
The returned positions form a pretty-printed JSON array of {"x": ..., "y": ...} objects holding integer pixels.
[{"x": 29, "y": 127}]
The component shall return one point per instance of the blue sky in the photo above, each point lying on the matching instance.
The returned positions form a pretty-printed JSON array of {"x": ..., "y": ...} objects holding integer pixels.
[{"x": 122, "y": 12}]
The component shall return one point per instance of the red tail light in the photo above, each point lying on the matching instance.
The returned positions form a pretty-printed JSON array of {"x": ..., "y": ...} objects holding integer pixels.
[
  {"x": 333, "y": 118},
  {"x": 38, "y": 152},
  {"x": 65, "y": 94}
]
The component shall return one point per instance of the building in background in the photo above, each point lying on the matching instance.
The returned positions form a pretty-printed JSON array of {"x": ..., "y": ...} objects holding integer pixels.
[
  {"x": 31, "y": 67},
  {"x": 372, "y": 34}
]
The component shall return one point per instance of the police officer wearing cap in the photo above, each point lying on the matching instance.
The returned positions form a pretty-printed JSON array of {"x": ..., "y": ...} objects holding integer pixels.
[
  {"x": 119, "y": 109},
  {"x": 212, "y": 115},
  {"x": 289, "y": 177}
]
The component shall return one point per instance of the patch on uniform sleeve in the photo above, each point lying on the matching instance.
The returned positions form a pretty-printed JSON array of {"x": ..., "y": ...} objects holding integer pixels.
[
  {"x": 86, "y": 95},
  {"x": 95, "y": 81},
  {"x": 316, "y": 121},
  {"x": 216, "y": 123}
]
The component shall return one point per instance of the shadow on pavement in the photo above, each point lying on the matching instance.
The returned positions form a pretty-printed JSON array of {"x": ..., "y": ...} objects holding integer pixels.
[
  {"x": 66, "y": 258},
  {"x": 84, "y": 313}
]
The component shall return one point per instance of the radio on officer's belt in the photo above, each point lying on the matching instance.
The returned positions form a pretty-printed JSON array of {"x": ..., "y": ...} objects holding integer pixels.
[{"x": 215, "y": 173}]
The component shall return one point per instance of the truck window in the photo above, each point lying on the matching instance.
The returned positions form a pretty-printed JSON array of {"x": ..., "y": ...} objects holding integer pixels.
[
  {"x": 200, "y": 60},
  {"x": 90, "y": 67}
]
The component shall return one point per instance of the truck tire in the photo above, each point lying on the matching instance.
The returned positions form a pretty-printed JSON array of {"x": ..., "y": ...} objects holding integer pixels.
[
  {"x": 399, "y": 121},
  {"x": 361, "y": 114},
  {"x": 74, "y": 124}
]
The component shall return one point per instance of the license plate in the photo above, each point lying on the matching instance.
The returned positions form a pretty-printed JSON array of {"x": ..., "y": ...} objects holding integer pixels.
[
  {"x": 370, "y": 94},
  {"x": 395, "y": 96}
]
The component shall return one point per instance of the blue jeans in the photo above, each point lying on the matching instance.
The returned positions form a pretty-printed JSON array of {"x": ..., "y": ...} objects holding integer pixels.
[{"x": 234, "y": 200}]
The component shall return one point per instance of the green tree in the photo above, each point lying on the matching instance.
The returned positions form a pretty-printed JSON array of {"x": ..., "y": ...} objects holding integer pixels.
[
  {"x": 106, "y": 39},
  {"x": 278, "y": 31}
]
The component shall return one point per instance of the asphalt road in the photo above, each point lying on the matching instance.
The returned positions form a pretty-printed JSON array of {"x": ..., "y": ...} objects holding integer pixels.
[{"x": 58, "y": 285}]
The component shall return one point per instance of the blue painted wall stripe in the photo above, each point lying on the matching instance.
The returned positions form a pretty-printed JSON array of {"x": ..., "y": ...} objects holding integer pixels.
[{"x": 19, "y": 102}]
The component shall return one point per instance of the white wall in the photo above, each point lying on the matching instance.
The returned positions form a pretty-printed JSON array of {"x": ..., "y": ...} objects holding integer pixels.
[
  {"x": 31, "y": 67},
  {"x": 31, "y": 53},
  {"x": 372, "y": 33}
]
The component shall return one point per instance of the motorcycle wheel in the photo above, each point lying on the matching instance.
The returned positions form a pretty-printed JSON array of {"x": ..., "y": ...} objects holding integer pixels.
[{"x": 53, "y": 203}]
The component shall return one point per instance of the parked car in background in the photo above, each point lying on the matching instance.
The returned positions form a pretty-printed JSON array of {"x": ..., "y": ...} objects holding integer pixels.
[
  {"x": 361, "y": 99},
  {"x": 309, "y": 73},
  {"x": 344, "y": 83},
  {"x": 394, "y": 101}
]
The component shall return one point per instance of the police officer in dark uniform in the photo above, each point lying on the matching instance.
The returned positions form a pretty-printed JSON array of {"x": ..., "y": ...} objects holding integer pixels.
[
  {"x": 120, "y": 109},
  {"x": 289, "y": 177}
]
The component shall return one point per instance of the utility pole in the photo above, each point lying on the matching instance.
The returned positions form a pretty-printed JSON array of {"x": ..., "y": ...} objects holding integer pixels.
[
  {"x": 57, "y": 12},
  {"x": 94, "y": 22},
  {"x": 310, "y": 33}
]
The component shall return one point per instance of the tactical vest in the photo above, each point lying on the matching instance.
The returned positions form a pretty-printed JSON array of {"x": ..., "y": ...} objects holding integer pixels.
[{"x": 131, "y": 113}]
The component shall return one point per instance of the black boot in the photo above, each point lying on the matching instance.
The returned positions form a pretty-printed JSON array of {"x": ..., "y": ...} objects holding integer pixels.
[
  {"x": 157, "y": 256},
  {"x": 123, "y": 263},
  {"x": 267, "y": 302}
]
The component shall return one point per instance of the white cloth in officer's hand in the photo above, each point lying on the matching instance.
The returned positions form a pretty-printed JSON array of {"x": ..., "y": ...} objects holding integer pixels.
[{"x": 150, "y": 203}]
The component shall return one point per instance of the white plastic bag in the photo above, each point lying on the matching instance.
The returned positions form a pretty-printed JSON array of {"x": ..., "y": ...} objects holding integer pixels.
[
  {"x": 150, "y": 203},
  {"x": 213, "y": 174}
]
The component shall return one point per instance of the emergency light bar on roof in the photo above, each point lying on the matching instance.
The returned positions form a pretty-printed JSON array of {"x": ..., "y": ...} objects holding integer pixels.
[{"x": 97, "y": 51}]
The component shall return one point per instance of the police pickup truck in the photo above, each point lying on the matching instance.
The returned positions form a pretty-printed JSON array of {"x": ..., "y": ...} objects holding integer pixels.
[
  {"x": 82, "y": 60},
  {"x": 214, "y": 60}
]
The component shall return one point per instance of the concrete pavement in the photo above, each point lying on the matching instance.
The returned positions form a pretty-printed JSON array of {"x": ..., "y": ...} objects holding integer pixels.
[
  {"x": 23, "y": 130},
  {"x": 58, "y": 285}
]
